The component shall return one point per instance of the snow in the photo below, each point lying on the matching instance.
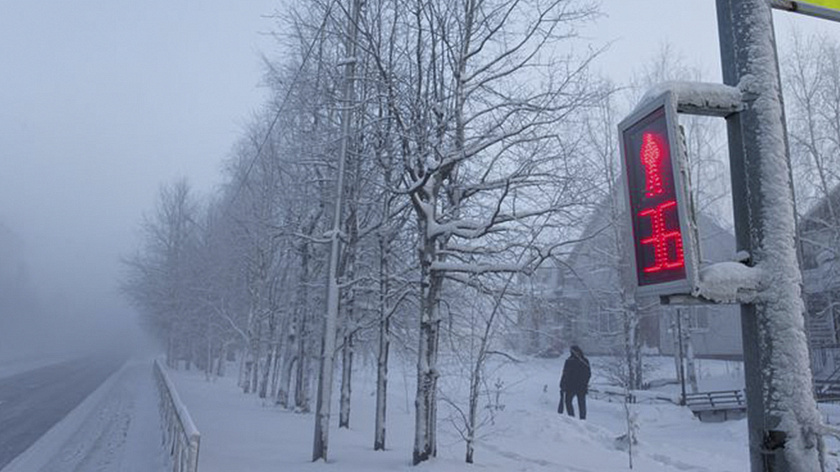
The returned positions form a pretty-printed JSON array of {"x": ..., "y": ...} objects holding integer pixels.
[
  {"x": 698, "y": 97},
  {"x": 728, "y": 282},
  {"x": 117, "y": 428},
  {"x": 524, "y": 433},
  {"x": 782, "y": 326}
]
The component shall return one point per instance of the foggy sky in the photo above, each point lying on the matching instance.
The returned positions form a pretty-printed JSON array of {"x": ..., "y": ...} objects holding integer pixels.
[{"x": 101, "y": 102}]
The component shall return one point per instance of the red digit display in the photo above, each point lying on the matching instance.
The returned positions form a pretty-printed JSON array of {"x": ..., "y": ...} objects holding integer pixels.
[{"x": 657, "y": 236}]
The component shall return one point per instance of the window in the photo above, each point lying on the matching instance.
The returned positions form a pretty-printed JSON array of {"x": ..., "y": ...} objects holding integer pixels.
[
  {"x": 608, "y": 321},
  {"x": 699, "y": 319}
]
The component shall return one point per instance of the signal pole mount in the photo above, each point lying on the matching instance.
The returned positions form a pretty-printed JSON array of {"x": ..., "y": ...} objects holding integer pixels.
[{"x": 782, "y": 414}]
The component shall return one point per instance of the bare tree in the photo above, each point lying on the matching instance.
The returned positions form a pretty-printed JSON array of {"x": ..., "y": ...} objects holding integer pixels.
[
  {"x": 158, "y": 282},
  {"x": 473, "y": 142}
]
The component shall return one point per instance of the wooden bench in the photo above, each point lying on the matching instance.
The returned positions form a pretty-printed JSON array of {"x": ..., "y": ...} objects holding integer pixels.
[{"x": 717, "y": 406}]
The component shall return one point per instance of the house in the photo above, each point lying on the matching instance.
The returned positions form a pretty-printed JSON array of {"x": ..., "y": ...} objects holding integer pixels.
[
  {"x": 585, "y": 292},
  {"x": 819, "y": 236}
]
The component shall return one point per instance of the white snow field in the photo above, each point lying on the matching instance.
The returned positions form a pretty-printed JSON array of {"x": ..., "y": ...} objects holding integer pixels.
[
  {"x": 243, "y": 433},
  {"x": 117, "y": 428}
]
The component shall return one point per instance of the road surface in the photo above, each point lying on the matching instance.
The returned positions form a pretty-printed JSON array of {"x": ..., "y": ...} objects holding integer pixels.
[{"x": 32, "y": 402}]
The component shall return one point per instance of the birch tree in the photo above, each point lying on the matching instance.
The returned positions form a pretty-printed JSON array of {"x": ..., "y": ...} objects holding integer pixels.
[
  {"x": 474, "y": 124},
  {"x": 158, "y": 282},
  {"x": 813, "y": 105}
]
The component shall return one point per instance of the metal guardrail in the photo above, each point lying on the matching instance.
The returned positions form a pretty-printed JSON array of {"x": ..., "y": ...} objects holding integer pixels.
[{"x": 180, "y": 436}]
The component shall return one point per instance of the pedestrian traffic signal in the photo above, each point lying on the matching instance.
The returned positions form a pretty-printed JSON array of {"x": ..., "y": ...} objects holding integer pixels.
[{"x": 655, "y": 195}]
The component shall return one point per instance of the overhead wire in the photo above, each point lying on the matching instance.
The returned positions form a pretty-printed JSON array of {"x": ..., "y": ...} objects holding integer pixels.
[{"x": 282, "y": 105}]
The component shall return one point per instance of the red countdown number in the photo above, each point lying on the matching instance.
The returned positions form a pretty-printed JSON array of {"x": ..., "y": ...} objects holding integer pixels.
[{"x": 652, "y": 192}]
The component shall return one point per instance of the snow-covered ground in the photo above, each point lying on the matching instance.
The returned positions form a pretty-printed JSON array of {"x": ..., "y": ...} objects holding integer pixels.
[
  {"x": 117, "y": 428},
  {"x": 524, "y": 433}
]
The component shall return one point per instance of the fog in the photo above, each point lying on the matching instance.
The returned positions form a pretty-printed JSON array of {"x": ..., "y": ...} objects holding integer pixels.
[{"x": 102, "y": 102}]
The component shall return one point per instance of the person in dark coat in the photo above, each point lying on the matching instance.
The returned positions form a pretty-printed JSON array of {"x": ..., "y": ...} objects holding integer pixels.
[{"x": 575, "y": 381}]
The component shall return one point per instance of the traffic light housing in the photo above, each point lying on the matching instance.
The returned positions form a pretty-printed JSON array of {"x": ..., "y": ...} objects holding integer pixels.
[{"x": 653, "y": 164}]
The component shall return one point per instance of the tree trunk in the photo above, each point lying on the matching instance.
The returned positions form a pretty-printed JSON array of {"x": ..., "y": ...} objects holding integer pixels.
[
  {"x": 346, "y": 377},
  {"x": 382, "y": 380},
  {"x": 632, "y": 349},
  {"x": 267, "y": 370},
  {"x": 678, "y": 360},
  {"x": 208, "y": 363},
  {"x": 257, "y": 357},
  {"x": 286, "y": 366},
  {"x": 222, "y": 360},
  {"x": 275, "y": 372},
  {"x": 384, "y": 335},
  {"x": 243, "y": 374},
  {"x": 283, "y": 389},
  {"x": 425, "y": 446},
  {"x": 271, "y": 354},
  {"x": 349, "y": 271},
  {"x": 472, "y": 420},
  {"x": 249, "y": 367},
  {"x": 170, "y": 355},
  {"x": 302, "y": 378},
  {"x": 301, "y": 373},
  {"x": 688, "y": 349}
]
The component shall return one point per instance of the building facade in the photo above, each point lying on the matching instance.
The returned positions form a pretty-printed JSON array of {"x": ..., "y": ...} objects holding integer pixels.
[{"x": 582, "y": 300}]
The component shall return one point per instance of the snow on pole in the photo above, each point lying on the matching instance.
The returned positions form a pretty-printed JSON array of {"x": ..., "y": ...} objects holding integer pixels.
[{"x": 783, "y": 419}]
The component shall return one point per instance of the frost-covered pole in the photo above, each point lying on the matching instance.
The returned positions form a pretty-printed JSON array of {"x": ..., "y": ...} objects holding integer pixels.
[
  {"x": 782, "y": 414},
  {"x": 325, "y": 377}
]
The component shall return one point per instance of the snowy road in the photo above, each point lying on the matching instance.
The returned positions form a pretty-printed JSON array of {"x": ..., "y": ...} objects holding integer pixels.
[{"x": 32, "y": 402}]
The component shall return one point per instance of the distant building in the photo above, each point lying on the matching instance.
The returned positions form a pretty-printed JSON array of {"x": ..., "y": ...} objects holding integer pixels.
[
  {"x": 819, "y": 236},
  {"x": 579, "y": 300}
]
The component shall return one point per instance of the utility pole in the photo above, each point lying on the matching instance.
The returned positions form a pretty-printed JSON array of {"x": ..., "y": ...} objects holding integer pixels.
[
  {"x": 682, "y": 356},
  {"x": 325, "y": 377},
  {"x": 781, "y": 412}
]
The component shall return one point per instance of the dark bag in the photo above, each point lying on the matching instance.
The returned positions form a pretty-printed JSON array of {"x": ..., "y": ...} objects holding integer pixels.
[{"x": 560, "y": 405}]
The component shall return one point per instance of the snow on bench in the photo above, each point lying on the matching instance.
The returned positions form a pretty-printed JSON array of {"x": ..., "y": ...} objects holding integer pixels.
[{"x": 717, "y": 406}]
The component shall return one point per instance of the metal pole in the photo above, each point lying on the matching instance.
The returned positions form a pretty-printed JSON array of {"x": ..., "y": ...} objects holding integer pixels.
[
  {"x": 325, "y": 377},
  {"x": 759, "y": 175},
  {"x": 682, "y": 359}
]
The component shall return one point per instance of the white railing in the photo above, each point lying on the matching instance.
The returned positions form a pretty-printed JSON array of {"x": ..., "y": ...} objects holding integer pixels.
[{"x": 180, "y": 436}]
